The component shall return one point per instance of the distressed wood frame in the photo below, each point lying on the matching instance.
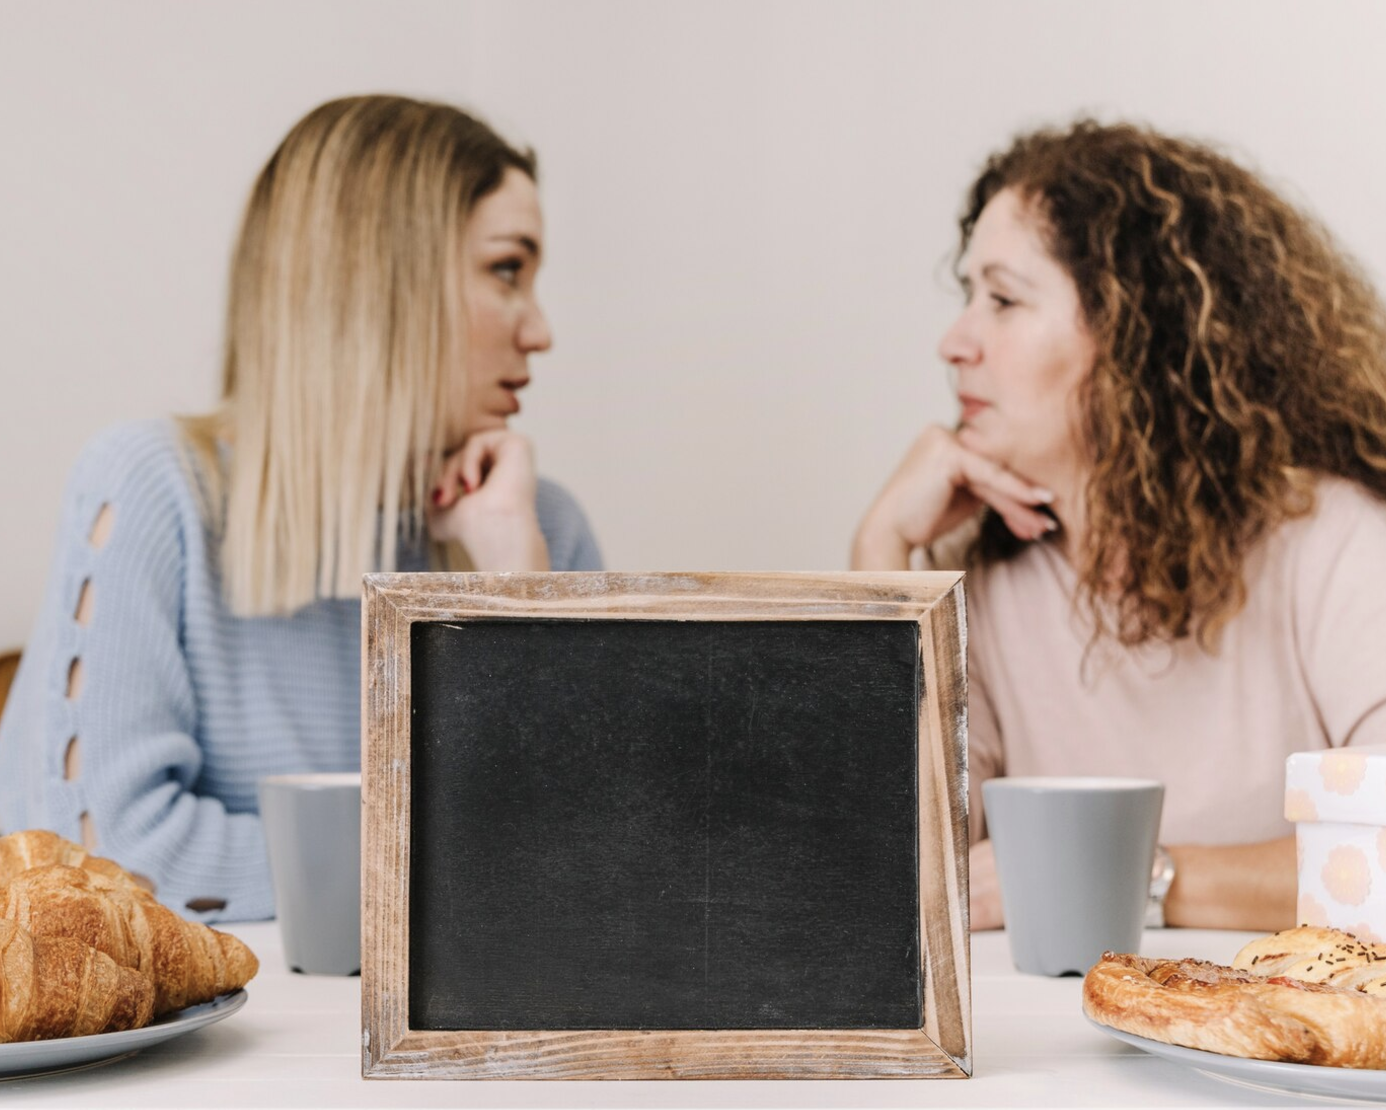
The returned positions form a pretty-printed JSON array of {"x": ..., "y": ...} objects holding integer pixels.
[{"x": 940, "y": 1048}]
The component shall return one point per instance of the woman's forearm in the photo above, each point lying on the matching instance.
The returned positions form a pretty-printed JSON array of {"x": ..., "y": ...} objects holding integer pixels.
[
  {"x": 1234, "y": 886},
  {"x": 878, "y": 546}
]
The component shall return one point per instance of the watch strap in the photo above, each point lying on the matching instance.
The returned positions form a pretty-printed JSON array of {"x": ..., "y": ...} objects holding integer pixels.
[{"x": 1161, "y": 879}]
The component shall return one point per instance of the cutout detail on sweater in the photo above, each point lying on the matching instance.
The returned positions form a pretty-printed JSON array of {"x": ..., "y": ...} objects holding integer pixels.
[
  {"x": 88, "y": 832},
  {"x": 74, "y": 678},
  {"x": 101, "y": 530},
  {"x": 85, "y": 600}
]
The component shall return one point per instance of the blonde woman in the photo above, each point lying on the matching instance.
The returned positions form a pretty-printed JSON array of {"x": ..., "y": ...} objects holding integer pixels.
[
  {"x": 202, "y": 625},
  {"x": 1168, "y": 484}
]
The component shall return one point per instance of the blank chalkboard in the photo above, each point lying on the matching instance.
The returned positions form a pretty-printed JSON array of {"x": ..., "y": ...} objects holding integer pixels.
[
  {"x": 648, "y": 826},
  {"x": 664, "y": 825}
]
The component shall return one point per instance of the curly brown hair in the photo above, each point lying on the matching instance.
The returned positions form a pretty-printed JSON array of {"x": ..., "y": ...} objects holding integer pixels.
[{"x": 1240, "y": 354}]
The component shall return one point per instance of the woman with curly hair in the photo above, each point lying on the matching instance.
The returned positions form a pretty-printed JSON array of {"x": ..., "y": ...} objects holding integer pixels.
[{"x": 1168, "y": 485}]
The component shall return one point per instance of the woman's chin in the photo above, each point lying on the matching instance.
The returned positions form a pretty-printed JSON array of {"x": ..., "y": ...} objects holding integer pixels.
[
  {"x": 491, "y": 422},
  {"x": 979, "y": 443},
  {"x": 483, "y": 424}
]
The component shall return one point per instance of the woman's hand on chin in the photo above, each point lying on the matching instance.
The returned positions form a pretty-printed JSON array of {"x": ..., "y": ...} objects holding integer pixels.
[
  {"x": 939, "y": 485},
  {"x": 484, "y": 499}
]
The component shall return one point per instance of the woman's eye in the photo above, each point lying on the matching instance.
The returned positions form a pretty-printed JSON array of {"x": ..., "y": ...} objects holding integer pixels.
[
  {"x": 1001, "y": 302},
  {"x": 508, "y": 270}
]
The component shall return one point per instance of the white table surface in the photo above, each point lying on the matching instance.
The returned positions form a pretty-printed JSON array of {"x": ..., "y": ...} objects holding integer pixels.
[{"x": 296, "y": 1044}]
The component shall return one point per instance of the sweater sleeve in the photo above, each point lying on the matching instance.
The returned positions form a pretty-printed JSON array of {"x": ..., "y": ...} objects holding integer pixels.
[
  {"x": 572, "y": 546},
  {"x": 1340, "y": 613},
  {"x": 106, "y": 740}
]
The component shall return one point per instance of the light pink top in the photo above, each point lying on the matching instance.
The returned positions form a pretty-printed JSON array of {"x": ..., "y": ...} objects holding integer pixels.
[{"x": 1302, "y": 667}]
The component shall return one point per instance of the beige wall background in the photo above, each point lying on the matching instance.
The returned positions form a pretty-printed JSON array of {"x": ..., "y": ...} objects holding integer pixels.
[{"x": 750, "y": 206}]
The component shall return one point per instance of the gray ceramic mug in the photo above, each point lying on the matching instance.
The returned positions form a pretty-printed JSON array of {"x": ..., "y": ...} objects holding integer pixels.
[
  {"x": 1073, "y": 856},
  {"x": 312, "y": 826}
]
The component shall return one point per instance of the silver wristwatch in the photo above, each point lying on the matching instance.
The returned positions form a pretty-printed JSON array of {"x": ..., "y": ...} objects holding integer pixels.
[{"x": 1161, "y": 879}]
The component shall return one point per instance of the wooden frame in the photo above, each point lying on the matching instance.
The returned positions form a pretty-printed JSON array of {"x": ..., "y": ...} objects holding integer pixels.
[{"x": 940, "y": 1048}]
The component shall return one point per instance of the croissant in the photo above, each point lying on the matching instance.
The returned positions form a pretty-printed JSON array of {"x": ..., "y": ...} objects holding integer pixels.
[
  {"x": 19, "y": 851},
  {"x": 1237, "y": 1013},
  {"x": 60, "y": 987},
  {"x": 1318, "y": 955},
  {"x": 187, "y": 962}
]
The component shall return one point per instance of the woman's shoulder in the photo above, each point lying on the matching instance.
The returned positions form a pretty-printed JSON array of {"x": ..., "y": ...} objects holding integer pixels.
[
  {"x": 139, "y": 468},
  {"x": 148, "y": 450},
  {"x": 555, "y": 504},
  {"x": 1342, "y": 510},
  {"x": 1337, "y": 497},
  {"x": 1335, "y": 548}
]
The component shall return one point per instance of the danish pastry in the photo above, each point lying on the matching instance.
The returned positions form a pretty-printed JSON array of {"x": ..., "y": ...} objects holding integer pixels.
[
  {"x": 1237, "y": 1011},
  {"x": 1318, "y": 955}
]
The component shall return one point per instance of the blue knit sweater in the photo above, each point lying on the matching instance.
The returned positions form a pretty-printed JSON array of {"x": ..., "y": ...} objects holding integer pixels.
[{"x": 183, "y": 706}]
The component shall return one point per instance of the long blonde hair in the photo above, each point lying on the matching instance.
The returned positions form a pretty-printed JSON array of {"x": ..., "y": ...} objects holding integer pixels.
[{"x": 343, "y": 340}]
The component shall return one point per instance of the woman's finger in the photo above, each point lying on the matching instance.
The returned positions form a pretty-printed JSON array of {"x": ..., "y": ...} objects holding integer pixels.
[
  {"x": 475, "y": 461},
  {"x": 448, "y": 485},
  {"x": 464, "y": 470},
  {"x": 1014, "y": 498},
  {"x": 1025, "y": 522},
  {"x": 479, "y": 454},
  {"x": 982, "y": 473}
]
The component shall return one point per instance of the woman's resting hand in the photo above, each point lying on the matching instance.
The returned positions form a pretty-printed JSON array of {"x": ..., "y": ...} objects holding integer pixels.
[
  {"x": 984, "y": 889},
  {"x": 938, "y": 486},
  {"x": 1234, "y": 886},
  {"x": 1229, "y": 886},
  {"x": 484, "y": 500}
]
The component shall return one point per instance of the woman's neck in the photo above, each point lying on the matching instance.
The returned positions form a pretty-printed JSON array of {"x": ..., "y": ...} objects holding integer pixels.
[{"x": 1070, "y": 508}]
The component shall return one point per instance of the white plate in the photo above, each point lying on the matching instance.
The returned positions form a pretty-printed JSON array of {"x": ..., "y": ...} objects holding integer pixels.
[
  {"x": 26, "y": 1058},
  {"x": 1265, "y": 1075}
]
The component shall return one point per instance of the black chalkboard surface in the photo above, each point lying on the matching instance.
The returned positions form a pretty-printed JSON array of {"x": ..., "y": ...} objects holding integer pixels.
[
  {"x": 664, "y": 825},
  {"x": 649, "y": 826}
]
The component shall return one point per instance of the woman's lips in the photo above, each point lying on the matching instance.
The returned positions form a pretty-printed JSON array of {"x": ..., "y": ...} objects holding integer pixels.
[
  {"x": 971, "y": 406},
  {"x": 511, "y": 389}
]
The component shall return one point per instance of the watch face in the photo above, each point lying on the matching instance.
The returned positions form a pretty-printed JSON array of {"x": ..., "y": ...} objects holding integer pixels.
[
  {"x": 1161, "y": 878},
  {"x": 1161, "y": 871}
]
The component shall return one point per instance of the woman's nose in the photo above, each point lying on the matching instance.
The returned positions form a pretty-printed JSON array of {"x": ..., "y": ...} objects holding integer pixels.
[
  {"x": 959, "y": 344},
  {"x": 534, "y": 334}
]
